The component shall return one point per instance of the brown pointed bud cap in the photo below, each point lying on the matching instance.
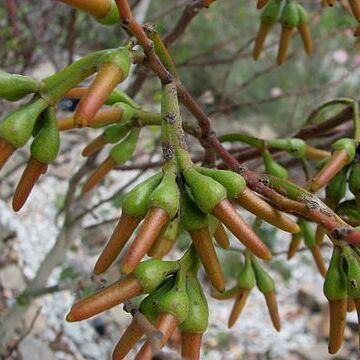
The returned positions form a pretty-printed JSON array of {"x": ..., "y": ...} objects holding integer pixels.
[
  {"x": 312, "y": 153},
  {"x": 272, "y": 306},
  {"x": 319, "y": 261},
  {"x": 34, "y": 169},
  {"x": 239, "y": 304},
  {"x": 294, "y": 245},
  {"x": 259, "y": 207},
  {"x": 319, "y": 235},
  {"x": 190, "y": 345},
  {"x": 221, "y": 237},
  {"x": 154, "y": 222},
  {"x": 122, "y": 233},
  {"x": 6, "y": 150},
  {"x": 105, "y": 299},
  {"x": 205, "y": 248},
  {"x": 103, "y": 169},
  {"x": 339, "y": 159},
  {"x": 225, "y": 212},
  {"x": 128, "y": 340},
  {"x": 167, "y": 324},
  {"x": 285, "y": 37},
  {"x": 108, "y": 76},
  {"x": 94, "y": 146},
  {"x": 226, "y": 295},
  {"x": 260, "y": 39},
  {"x": 306, "y": 37},
  {"x": 337, "y": 310}
]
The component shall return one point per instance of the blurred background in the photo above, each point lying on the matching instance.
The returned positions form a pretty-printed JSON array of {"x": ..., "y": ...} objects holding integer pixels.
[{"x": 48, "y": 250}]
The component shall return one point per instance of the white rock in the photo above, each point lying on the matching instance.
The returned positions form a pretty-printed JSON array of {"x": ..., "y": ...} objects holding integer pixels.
[
  {"x": 33, "y": 349},
  {"x": 91, "y": 350},
  {"x": 12, "y": 278},
  {"x": 40, "y": 325}
]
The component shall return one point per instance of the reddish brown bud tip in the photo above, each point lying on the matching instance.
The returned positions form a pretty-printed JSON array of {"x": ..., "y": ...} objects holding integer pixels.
[
  {"x": 66, "y": 124},
  {"x": 239, "y": 304},
  {"x": 338, "y": 160},
  {"x": 122, "y": 233},
  {"x": 256, "y": 205},
  {"x": 319, "y": 261},
  {"x": 272, "y": 306},
  {"x": 337, "y": 310},
  {"x": 106, "y": 79},
  {"x": 103, "y": 169},
  {"x": 285, "y": 37},
  {"x": 154, "y": 222},
  {"x": 131, "y": 336},
  {"x": 34, "y": 169},
  {"x": 261, "y": 3},
  {"x": 306, "y": 38},
  {"x": 6, "y": 150},
  {"x": 96, "y": 8},
  {"x": 294, "y": 245},
  {"x": 76, "y": 93},
  {"x": 69, "y": 318},
  {"x": 226, "y": 295},
  {"x": 315, "y": 154},
  {"x": 105, "y": 299},
  {"x": 94, "y": 146},
  {"x": 225, "y": 212},
  {"x": 319, "y": 235},
  {"x": 260, "y": 39},
  {"x": 205, "y": 248},
  {"x": 221, "y": 237},
  {"x": 167, "y": 324},
  {"x": 190, "y": 345}
]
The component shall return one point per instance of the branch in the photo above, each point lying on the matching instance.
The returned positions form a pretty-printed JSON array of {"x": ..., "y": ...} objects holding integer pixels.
[{"x": 298, "y": 202}]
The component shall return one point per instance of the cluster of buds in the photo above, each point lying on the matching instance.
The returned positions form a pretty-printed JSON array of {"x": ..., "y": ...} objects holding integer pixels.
[
  {"x": 251, "y": 272},
  {"x": 183, "y": 196},
  {"x": 309, "y": 239},
  {"x": 199, "y": 201},
  {"x": 175, "y": 300},
  {"x": 37, "y": 118},
  {"x": 203, "y": 205},
  {"x": 339, "y": 172},
  {"x": 342, "y": 291},
  {"x": 291, "y": 15}
]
